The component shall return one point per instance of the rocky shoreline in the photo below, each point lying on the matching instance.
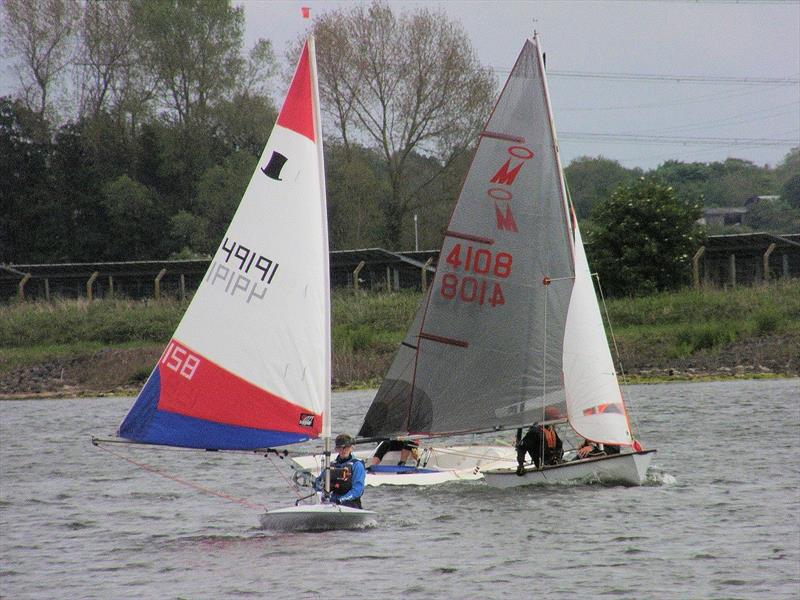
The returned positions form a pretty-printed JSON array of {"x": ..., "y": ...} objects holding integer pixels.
[{"x": 122, "y": 371}]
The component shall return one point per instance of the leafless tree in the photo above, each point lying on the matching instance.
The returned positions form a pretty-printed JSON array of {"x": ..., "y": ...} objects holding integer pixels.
[
  {"x": 40, "y": 34},
  {"x": 402, "y": 84},
  {"x": 106, "y": 54}
]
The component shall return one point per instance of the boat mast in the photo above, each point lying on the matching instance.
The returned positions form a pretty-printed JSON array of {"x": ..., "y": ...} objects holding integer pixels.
[
  {"x": 561, "y": 183},
  {"x": 326, "y": 410}
]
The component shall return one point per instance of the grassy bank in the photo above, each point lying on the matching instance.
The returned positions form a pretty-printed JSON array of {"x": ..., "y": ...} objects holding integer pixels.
[
  {"x": 113, "y": 344},
  {"x": 691, "y": 323}
]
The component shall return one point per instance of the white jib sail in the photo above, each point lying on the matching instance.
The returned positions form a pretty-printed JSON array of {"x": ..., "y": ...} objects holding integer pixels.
[{"x": 594, "y": 400}]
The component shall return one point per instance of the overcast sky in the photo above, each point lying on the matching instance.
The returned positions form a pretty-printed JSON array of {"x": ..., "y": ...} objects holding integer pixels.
[{"x": 711, "y": 39}]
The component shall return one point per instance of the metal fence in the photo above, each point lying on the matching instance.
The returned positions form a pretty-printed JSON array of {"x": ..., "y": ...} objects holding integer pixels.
[
  {"x": 746, "y": 259},
  {"x": 725, "y": 261},
  {"x": 367, "y": 269}
]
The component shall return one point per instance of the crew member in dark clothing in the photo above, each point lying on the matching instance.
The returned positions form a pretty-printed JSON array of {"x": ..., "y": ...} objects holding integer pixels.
[
  {"x": 347, "y": 475},
  {"x": 541, "y": 442},
  {"x": 588, "y": 449},
  {"x": 405, "y": 447}
]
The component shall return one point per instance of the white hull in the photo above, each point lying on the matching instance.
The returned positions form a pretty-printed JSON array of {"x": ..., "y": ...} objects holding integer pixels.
[
  {"x": 628, "y": 468},
  {"x": 318, "y": 517},
  {"x": 437, "y": 465}
]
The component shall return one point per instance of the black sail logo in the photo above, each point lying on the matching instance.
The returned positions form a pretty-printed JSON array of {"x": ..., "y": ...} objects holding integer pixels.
[{"x": 274, "y": 166}]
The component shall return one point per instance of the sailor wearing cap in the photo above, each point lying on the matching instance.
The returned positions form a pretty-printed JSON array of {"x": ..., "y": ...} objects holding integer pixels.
[{"x": 347, "y": 475}]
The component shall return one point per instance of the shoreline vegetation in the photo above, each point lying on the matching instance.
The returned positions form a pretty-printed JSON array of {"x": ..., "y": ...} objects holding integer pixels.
[{"x": 74, "y": 348}]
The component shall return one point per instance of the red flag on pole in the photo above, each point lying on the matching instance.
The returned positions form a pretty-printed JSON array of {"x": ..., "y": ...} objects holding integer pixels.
[{"x": 306, "y": 11}]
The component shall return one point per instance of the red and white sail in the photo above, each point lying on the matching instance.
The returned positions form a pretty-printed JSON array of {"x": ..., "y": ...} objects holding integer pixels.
[{"x": 249, "y": 364}]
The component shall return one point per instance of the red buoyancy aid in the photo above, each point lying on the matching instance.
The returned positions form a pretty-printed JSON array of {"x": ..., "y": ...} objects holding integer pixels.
[{"x": 549, "y": 437}]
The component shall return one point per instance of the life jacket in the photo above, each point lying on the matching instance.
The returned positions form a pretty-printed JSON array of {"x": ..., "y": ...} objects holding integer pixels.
[
  {"x": 549, "y": 437},
  {"x": 342, "y": 476}
]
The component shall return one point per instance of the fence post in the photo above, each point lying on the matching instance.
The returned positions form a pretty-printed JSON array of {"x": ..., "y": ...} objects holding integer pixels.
[
  {"x": 183, "y": 286},
  {"x": 157, "y": 286},
  {"x": 89, "y": 284},
  {"x": 772, "y": 247},
  {"x": 696, "y": 266},
  {"x": 110, "y": 286},
  {"x": 425, "y": 274},
  {"x": 732, "y": 270},
  {"x": 355, "y": 274},
  {"x": 47, "y": 289},
  {"x": 21, "y": 286}
]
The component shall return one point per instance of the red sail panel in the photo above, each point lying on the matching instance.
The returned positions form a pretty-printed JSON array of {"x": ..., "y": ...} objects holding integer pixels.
[
  {"x": 204, "y": 390},
  {"x": 297, "y": 113}
]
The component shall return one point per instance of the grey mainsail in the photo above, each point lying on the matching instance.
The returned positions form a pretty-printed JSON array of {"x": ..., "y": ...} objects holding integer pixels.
[{"x": 485, "y": 348}]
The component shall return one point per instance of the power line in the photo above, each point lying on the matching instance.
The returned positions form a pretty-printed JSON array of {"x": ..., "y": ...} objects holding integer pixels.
[
  {"x": 727, "y": 95},
  {"x": 712, "y": 79},
  {"x": 707, "y": 79},
  {"x": 681, "y": 141}
]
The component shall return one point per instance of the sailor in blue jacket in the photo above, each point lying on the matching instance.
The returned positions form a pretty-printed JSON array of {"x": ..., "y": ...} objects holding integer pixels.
[{"x": 347, "y": 475}]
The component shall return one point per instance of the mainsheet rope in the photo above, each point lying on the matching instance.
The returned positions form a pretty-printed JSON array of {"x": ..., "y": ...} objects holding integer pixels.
[{"x": 185, "y": 482}]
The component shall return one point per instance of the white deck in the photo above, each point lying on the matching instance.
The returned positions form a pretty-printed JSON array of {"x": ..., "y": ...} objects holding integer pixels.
[{"x": 627, "y": 468}]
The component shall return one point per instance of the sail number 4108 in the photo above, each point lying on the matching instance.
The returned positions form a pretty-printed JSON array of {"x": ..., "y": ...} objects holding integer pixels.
[{"x": 480, "y": 261}]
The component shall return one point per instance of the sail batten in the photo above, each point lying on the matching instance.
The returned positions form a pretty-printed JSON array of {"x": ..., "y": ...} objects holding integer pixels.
[
  {"x": 502, "y": 136},
  {"x": 470, "y": 237}
]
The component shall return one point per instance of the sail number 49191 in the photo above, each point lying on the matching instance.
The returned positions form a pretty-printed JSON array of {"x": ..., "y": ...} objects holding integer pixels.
[{"x": 477, "y": 261}]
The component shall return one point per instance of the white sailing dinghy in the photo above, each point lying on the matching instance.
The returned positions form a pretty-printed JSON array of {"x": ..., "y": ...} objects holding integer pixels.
[
  {"x": 249, "y": 365},
  {"x": 511, "y": 324},
  {"x": 435, "y": 465}
]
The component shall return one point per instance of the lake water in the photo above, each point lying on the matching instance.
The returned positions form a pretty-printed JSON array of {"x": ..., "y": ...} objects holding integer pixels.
[{"x": 718, "y": 518}]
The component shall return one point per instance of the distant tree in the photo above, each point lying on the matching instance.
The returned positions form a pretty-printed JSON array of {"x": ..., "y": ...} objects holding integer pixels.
[
  {"x": 136, "y": 219},
  {"x": 591, "y": 180},
  {"x": 735, "y": 180},
  {"x": 790, "y": 192},
  {"x": 773, "y": 216},
  {"x": 787, "y": 175},
  {"x": 28, "y": 226},
  {"x": 643, "y": 239},
  {"x": 356, "y": 185},
  {"x": 79, "y": 176},
  {"x": 244, "y": 123},
  {"x": 402, "y": 85},
  {"x": 195, "y": 49},
  {"x": 198, "y": 232},
  {"x": 219, "y": 192},
  {"x": 106, "y": 47},
  {"x": 40, "y": 34},
  {"x": 689, "y": 180}
]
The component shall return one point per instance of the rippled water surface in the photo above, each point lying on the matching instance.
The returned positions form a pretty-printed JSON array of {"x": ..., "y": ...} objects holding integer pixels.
[{"x": 719, "y": 517}]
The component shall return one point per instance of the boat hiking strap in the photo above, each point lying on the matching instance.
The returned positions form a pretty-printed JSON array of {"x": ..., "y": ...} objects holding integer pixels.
[{"x": 184, "y": 482}]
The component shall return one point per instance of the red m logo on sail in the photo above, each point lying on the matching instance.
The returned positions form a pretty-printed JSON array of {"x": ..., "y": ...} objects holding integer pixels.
[
  {"x": 504, "y": 176},
  {"x": 505, "y": 221}
]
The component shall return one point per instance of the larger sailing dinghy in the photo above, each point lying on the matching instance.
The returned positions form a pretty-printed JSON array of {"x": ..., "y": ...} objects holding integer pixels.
[
  {"x": 249, "y": 365},
  {"x": 511, "y": 325}
]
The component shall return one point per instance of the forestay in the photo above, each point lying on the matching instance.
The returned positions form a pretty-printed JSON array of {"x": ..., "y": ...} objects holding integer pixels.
[
  {"x": 485, "y": 349},
  {"x": 249, "y": 364}
]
